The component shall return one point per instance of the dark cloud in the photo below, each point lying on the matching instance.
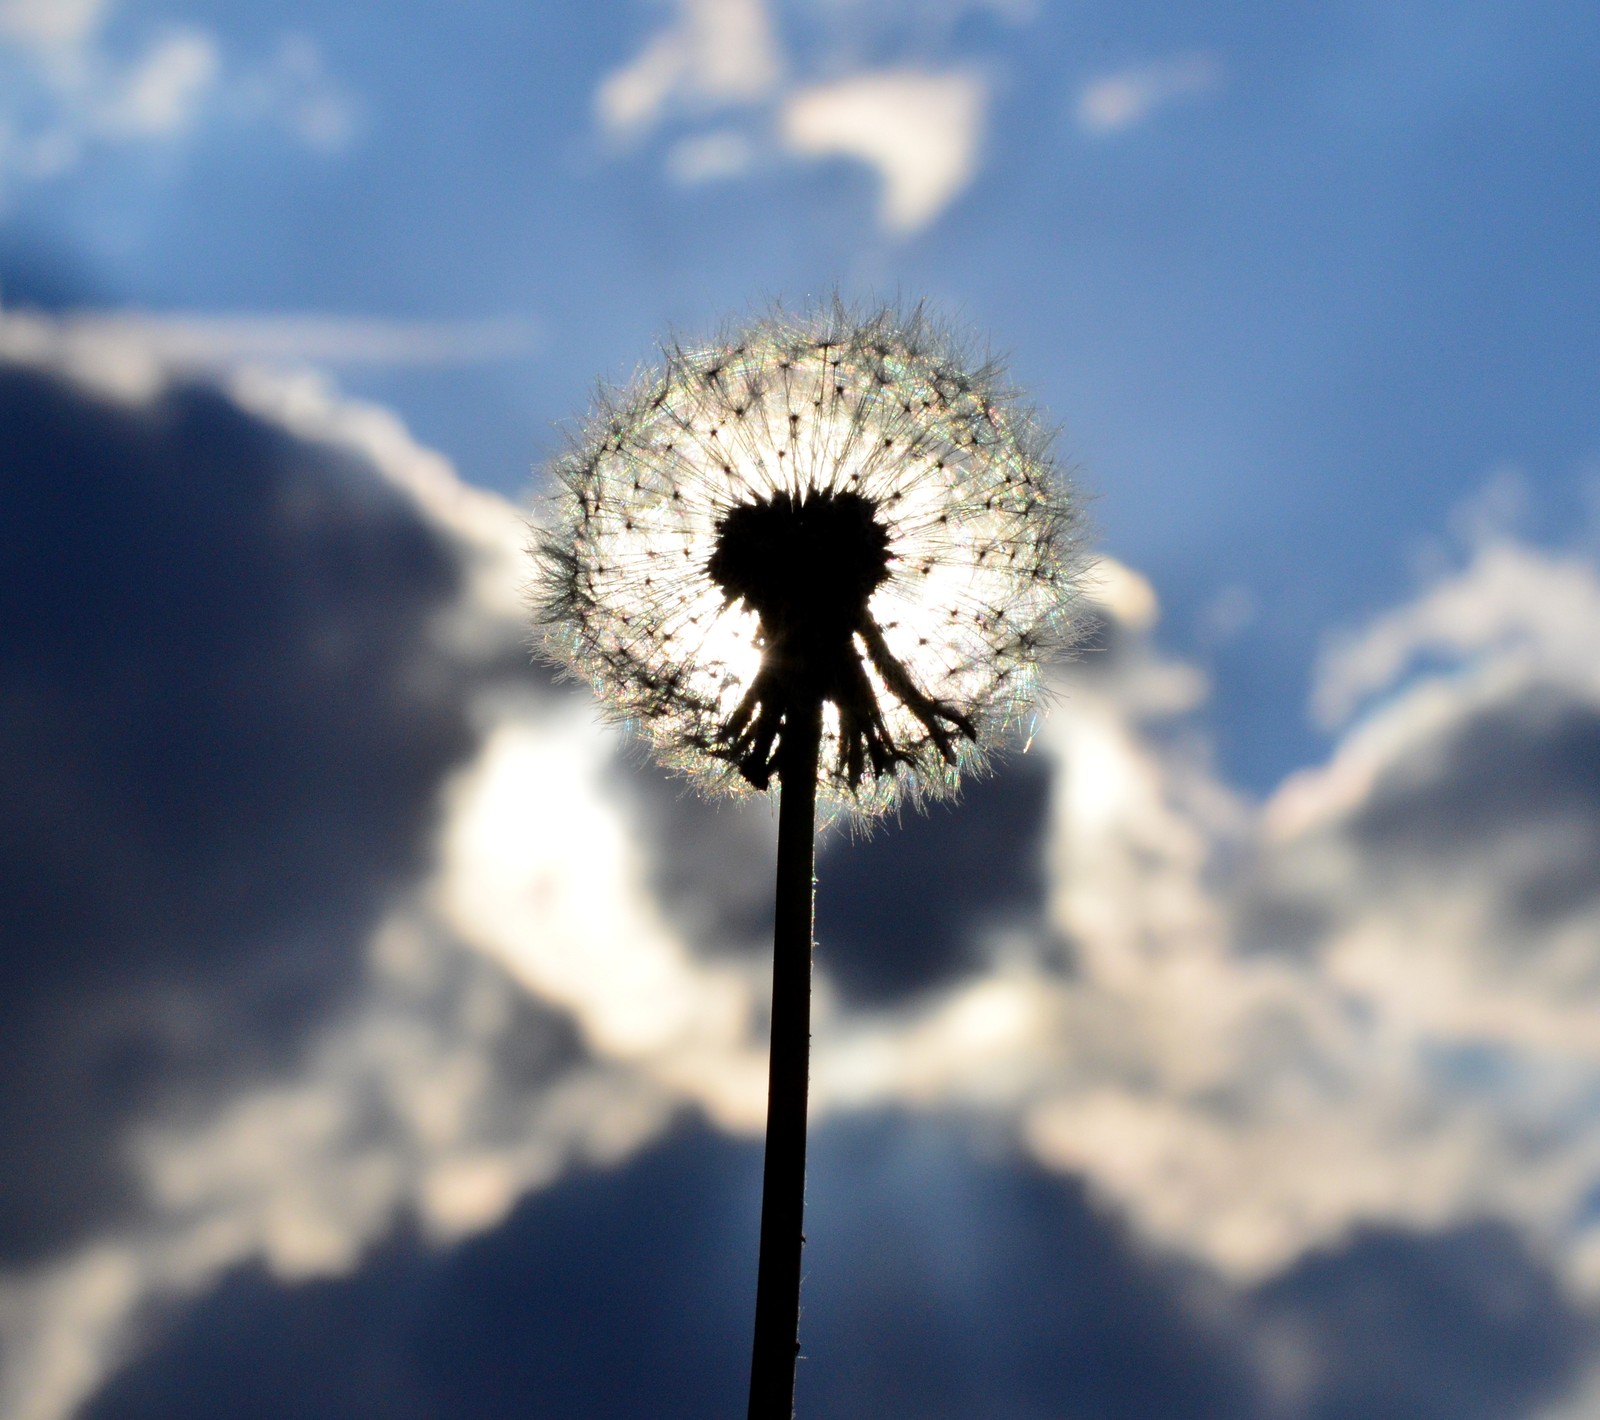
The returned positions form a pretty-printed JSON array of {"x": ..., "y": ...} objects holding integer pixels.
[
  {"x": 899, "y": 911},
  {"x": 941, "y": 1285},
  {"x": 937, "y": 1286},
  {"x": 710, "y": 863},
  {"x": 1531, "y": 765},
  {"x": 613, "y": 1295},
  {"x": 1273, "y": 916},
  {"x": 1461, "y": 1325},
  {"x": 1458, "y": 813},
  {"x": 225, "y": 730}
]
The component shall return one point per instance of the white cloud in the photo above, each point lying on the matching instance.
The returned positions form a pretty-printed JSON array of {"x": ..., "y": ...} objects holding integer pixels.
[
  {"x": 1517, "y": 606},
  {"x": 715, "y": 53},
  {"x": 919, "y": 128},
  {"x": 51, "y": 22},
  {"x": 69, "y": 90},
  {"x": 921, "y": 131},
  {"x": 161, "y": 94},
  {"x": 560, "y": 901},
  {"x": 1128, "y": 97},
  {"x": 1383, "y": 1012},
  {"x": 197, "y": 340},
  {"x": 1392, "y": 1017}
]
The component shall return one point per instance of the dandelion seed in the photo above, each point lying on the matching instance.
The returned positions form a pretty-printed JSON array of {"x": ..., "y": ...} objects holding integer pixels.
[
  {"x": 829, "y": 488},
  {"x": 780, "y": 557}
]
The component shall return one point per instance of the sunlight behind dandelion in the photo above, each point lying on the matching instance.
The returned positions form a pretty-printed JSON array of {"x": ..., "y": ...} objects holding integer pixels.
[
  {"x": 559, "y": 900},
  {"x": 979, "y": 546}
]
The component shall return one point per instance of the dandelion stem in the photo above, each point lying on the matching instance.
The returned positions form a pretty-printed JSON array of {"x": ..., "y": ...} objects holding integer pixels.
[{"x": 777, "y": 1329}]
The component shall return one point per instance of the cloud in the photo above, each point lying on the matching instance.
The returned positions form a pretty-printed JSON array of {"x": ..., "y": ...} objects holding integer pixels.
[
  {"x": 283, "y": 993},
  {"x": 148, "y": 811},
  {"x": 161, "y": 94},
  {"x": 256, "y": 632},
  {"x": 199, "y": 341},
  {"x": 1388, "y": 1014},
  {"x": 346, "y": 928},
  {"x": 1407, "y": 963},
  {"x": 50, "y": 23},
  {"x": 714, "y": 53},
  {"x": 1459, "y": 1325},
  {"x": 627, "y": 1292},
  {"x": 70, "y": 90},
  {"x": 941, "y": 1284},
  {"x": 907, "y": 912},
  {"x": 559, "y": 901},
  {"x": 615, "y": 1292},
  {"x": 1580, "y": 1402},
  {"x": 1520, "y": 610},
  {"x": 1114, "y": 102},
  {"x": 921, "y": 131},
  {"x": 919, "y": 128}
]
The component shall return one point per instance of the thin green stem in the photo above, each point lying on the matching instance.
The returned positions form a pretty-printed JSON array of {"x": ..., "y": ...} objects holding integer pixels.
[{"x": 783, "y": 1188}]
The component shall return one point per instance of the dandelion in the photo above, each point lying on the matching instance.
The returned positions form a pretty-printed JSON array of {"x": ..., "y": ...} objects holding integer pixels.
[{"x": 823, "y": 551}]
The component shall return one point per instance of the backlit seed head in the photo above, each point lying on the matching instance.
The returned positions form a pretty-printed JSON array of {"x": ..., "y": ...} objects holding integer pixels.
[{"x": 829, "y": 507}]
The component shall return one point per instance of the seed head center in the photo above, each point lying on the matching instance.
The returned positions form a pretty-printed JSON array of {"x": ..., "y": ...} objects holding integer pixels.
[{"x": 807, "y": 566}]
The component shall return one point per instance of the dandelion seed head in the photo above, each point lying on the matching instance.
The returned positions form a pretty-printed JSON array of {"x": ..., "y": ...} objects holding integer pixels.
[{"x": 833, "y": 506}]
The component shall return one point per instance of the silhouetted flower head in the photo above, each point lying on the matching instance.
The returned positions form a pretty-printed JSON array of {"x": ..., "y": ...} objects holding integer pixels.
[{"x": 828, "y": 507}]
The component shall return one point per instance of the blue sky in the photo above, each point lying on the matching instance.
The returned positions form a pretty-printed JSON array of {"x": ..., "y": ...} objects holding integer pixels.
[{"x": 1312, "y": 295}]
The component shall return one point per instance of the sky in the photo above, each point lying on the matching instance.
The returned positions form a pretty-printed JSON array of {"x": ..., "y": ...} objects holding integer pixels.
[{"x": 381, "y": 1034}]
